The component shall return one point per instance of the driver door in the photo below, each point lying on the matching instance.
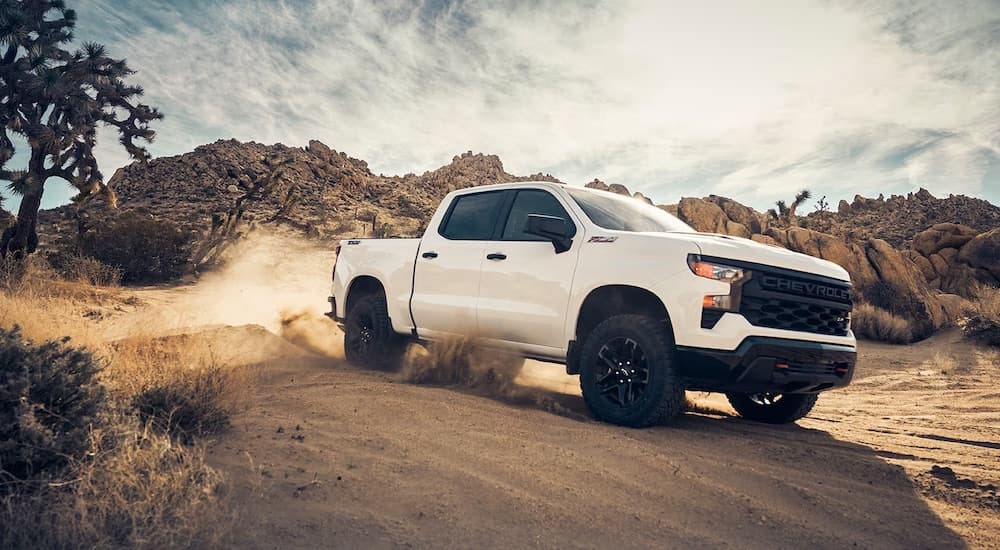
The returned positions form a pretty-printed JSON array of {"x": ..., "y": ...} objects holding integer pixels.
[{"x": 524, "y": 285}]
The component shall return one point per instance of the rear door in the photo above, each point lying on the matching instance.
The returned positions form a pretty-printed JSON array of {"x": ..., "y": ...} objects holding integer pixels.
[
  {"x": 525, "y": 286},
  {"x": 446, "y": 277}
]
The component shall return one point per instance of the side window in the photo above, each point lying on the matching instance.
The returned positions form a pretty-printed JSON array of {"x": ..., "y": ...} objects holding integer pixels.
[
  {"x": 473, "y": 217},
  {"x": 532, "y": 201}
]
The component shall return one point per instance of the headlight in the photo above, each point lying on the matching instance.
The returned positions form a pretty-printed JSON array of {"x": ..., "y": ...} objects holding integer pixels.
[{"x": 716, "y": 271}]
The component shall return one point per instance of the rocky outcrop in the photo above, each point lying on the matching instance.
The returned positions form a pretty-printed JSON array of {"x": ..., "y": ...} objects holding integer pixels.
[
  {"x": 899, "y": 218},
  {"x": 942, "y": 235}
]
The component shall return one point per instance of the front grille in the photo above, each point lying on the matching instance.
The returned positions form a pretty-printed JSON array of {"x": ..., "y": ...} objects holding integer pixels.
[{"x": 792, "y": 314}]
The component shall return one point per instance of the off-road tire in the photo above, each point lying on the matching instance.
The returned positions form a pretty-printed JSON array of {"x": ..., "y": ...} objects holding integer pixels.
[
  {"x": 662, "y": 396},
  {"x": 369, "y": 340},
  {"x": 789, "y": 408}
]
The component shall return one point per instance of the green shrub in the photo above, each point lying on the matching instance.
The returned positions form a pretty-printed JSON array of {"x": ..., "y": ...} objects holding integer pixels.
[
  {"x": 50, "y": 400},
  {"x": 145, "y": 249}
]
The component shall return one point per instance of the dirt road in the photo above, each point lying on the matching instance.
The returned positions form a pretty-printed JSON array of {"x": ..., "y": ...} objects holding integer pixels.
[
  {"x": 327, "y": 455},
  {"x": 907, "y": 457}
]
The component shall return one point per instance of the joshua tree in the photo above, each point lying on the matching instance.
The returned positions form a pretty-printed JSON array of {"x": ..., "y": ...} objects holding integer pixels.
[
  {"x": 786, "y": 212},
  {"x": 54, "y": 99}
]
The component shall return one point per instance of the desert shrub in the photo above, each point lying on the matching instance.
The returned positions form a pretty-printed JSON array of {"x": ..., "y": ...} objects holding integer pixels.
[
  {"x": 85, "y": 269},
  {"x": 145, "y": 249},
  {"x": 982, "y": 324},
  {"x": 194, "y": 403},
  {"x": 50, "y": 400},
  {"x": 139, "y": 489},
  {"x": 874, "y": 323}
]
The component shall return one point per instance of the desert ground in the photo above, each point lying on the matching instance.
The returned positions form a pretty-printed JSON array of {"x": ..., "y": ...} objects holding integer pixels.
[{"x": 328, "y": 455}]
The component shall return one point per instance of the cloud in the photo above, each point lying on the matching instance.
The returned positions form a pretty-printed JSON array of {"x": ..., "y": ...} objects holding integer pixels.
[{"x": 749, "y": 99}]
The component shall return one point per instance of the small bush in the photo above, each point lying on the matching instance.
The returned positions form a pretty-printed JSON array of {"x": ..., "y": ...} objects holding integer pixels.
[
  {"x": 194, "y": 403},
  {"x": 145, "y": 249},
  {"x": 138, "y": 490},
  {"x": 50, "y": 400},
  {"x": 874, "y": 323},
  {"x": 84, "y": 269},
  {"x": 982, "y": 324}
]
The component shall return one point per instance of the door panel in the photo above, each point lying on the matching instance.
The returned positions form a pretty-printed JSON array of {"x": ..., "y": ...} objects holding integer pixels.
[
  {"x": 523, "y": 297},
  {"x": 445, "y": 287},
  {"x": 448, "y": 264}
]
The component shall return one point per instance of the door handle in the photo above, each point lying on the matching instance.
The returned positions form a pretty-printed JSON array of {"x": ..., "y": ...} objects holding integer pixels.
[
  {"x": 496, "y": 256},
  {"x": 430, "y": 255}
]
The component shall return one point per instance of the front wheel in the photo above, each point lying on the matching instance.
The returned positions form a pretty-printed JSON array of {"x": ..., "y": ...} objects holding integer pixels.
[
  {"x": 369, "y": 340},
  {"x": 627, "y": 372},
  {"x": 773, "y": 408}
]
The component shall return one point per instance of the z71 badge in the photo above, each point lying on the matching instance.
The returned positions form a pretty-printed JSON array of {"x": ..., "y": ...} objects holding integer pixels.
[{"x": 602, "y": 239}]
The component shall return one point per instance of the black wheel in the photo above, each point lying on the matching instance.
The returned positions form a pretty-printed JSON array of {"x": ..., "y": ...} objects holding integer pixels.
[
  {"x": 369, "y": 340},
  {"x": 627, "y": 372},
  {"x": 773, "y": 408}
]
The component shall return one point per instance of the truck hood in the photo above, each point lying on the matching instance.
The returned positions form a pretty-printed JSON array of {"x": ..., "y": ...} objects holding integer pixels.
[{"x": 738, "y": 248}]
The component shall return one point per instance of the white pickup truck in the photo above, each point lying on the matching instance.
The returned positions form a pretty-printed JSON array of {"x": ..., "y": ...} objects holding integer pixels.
[{"x": 635, "y": 301}]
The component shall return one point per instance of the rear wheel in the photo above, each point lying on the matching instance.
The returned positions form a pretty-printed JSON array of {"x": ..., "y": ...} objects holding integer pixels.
[
  {"x": 627, "y": 372},
  {"x": 369, "y": 340},
  {"x": 773, "y": 408}
]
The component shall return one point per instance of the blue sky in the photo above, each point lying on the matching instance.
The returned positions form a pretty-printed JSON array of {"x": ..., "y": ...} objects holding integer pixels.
[{"x": 753, "y": 100}]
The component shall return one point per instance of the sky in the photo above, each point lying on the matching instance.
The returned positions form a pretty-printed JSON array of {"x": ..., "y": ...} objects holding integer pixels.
[{"x": 752, "y": 100}]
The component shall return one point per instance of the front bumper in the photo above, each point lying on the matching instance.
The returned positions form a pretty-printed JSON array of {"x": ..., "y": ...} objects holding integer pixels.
[{"x": 765, "y": 364}]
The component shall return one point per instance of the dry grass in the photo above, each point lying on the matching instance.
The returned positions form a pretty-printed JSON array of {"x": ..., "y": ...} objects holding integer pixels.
[
  {"x": 982, "y": 324},
  {"x": 89, "y": 271},
  {"x": 138, "y": 489},
  {"x": 145, "y": 482},
  {"x": 874, "y": 323}
]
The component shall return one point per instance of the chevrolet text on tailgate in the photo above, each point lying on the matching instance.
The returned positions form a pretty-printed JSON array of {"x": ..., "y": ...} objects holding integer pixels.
[{"x": 633, "y": 300}]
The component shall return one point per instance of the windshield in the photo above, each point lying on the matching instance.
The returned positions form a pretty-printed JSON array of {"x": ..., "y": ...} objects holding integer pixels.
[{"x": 622, "y": 213}]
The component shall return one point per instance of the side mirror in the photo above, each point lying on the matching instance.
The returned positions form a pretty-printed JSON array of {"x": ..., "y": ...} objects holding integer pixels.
[{"x": 552, "y": 228}]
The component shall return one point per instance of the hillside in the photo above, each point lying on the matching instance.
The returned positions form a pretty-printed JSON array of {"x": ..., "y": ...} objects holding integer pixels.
[{"x": 897, "y": 219}]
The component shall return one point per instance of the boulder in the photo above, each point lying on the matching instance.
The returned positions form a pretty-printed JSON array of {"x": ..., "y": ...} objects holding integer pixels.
[
  {"x": 942, "y": 235},
  {"x": 925, "y": 266},
  {"x": 898, "y": 290},
  {"x": 983, "y": 252},
  {"x": 702, "y": 215},
  {"x": 743, "y": 215},
  {"x": 597, "y": 184},
  {"x": 764, "y": 239},
  {"x": 939, "y": 264},
  {"x": 619, "y": 189},
  {"x": 737, "y": 230}
]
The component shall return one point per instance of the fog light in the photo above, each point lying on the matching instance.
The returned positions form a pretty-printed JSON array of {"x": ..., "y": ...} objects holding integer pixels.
[{"x": 717, "y": 302}]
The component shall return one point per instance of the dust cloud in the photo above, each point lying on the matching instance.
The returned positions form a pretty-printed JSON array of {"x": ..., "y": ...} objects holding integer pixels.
[
  {"x": 276, "y": 281},
  {"x": 313, "y": 332},
  {"x": 461, "y": 363}
]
